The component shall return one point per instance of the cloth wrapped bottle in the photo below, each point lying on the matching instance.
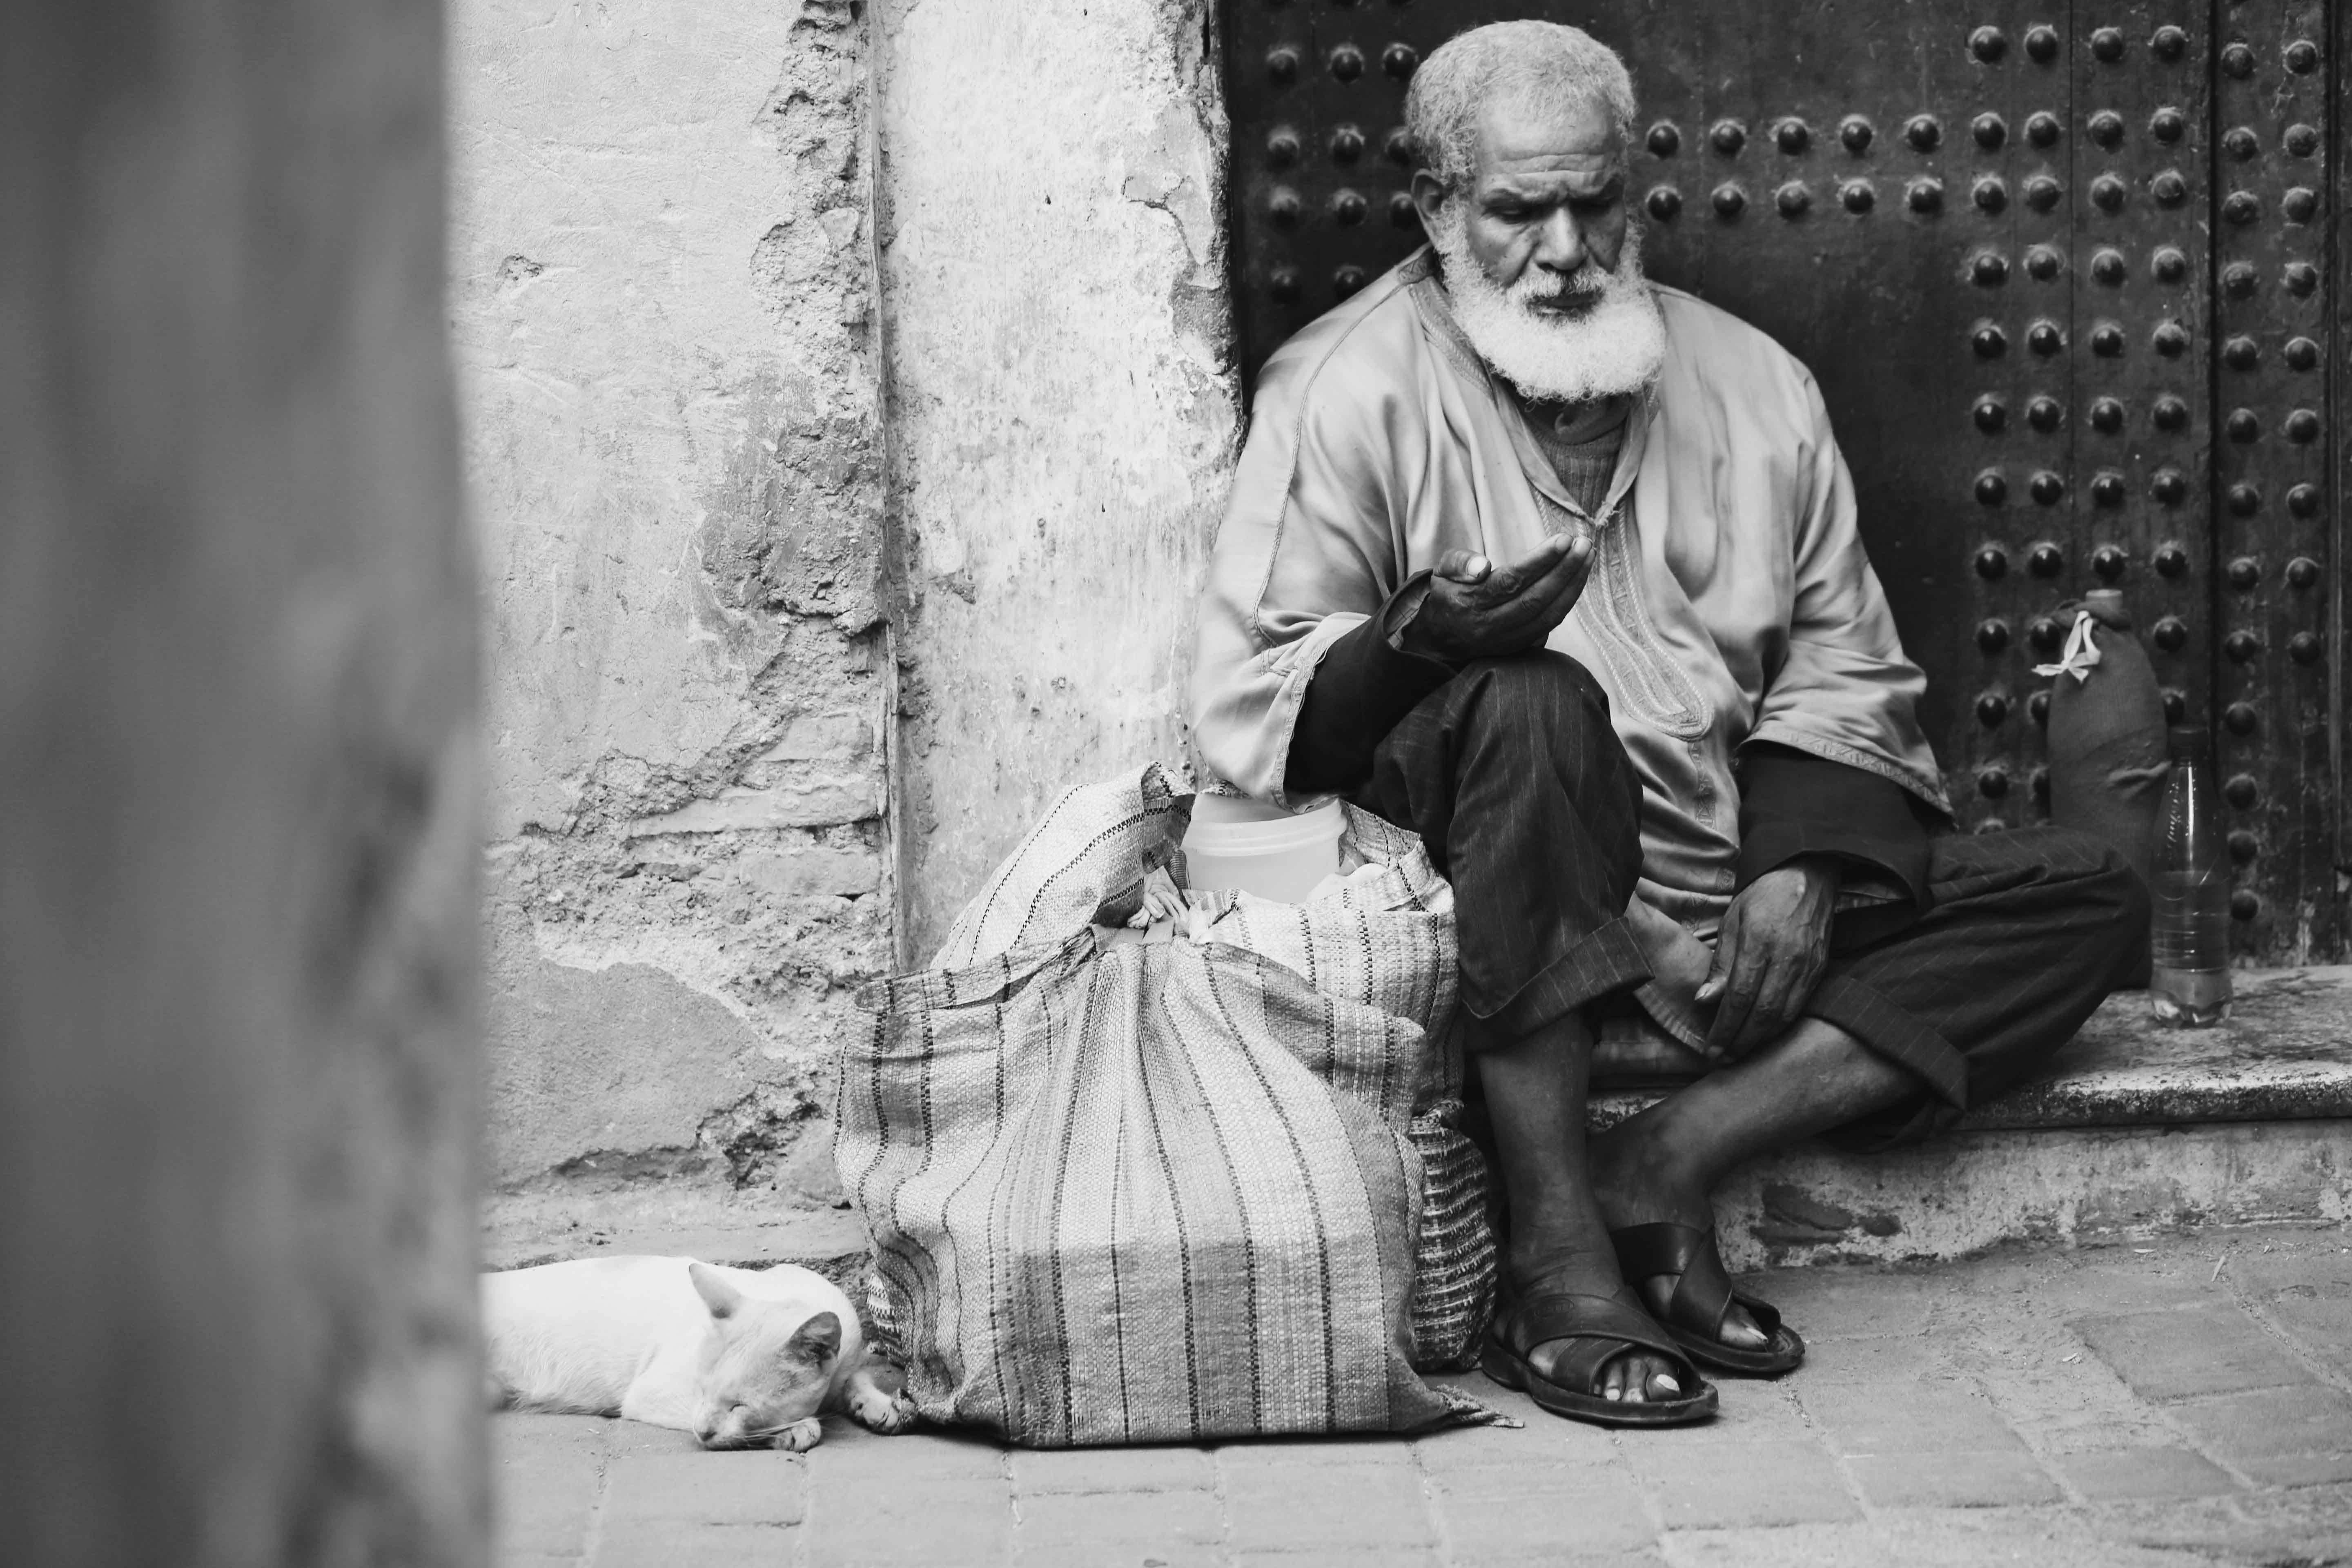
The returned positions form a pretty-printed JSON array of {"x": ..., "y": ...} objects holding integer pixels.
[{"x": 2106, "y": 737}]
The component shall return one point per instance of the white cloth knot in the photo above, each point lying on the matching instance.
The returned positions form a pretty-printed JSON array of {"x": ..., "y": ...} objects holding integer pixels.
[{"x": 2081, "y": 653}]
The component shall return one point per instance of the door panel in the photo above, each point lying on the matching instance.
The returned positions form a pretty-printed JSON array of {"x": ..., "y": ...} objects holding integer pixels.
[{"x": 2005, "y": 237}]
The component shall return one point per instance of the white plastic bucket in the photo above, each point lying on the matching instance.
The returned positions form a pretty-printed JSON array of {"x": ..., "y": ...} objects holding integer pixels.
[{"x": 1245, "y": 846}]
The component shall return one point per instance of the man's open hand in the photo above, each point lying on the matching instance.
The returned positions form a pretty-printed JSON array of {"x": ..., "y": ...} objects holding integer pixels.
[
  {"x": 1774, "y": 944},
  {"x": 1476, "y": 609}
]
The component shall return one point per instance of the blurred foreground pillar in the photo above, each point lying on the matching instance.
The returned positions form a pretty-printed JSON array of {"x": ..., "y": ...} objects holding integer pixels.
[{"x": 236, "y": 914}]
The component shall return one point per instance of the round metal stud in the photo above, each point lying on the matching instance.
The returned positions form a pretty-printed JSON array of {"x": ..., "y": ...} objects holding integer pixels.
[
  {"x": 2237, "y": 61},
  {"x": 1792, "y": 135},
  {"x": 2176, "y": 704},
  {"x": 1990, "y": 413},
  {"x": 2302, "y": 57},
  {"x": 2042, "y": 192},
  {"x": 2172, "y": 561},
  {"x": 1664, "y": 203},
  {"x": 1793, "y": 199},
  {"x": 1397, "y": 147},
  {"x": 2304, "y": 647},
  {"x": 1282, "y": 146},
  {"x": 2045, "y": 634},
  {"x": 2044, "y": 414},
  {"x": 2244, "y": 424},
  {"x": 2301, "y": 141},
  {"x": 1402, "y": 213},
  {"x": 2303, "y": 500},
  {"x": 1283, "y": 284},
  {"x": 2242, "y": 791},
  {"x": 2168, "y": 125},
  {"x": 1349, "y": 207},
  {"x": 2168, "y": 264},
  {"x": 2244, "y": 500},
  {"x": 2245, "y": 573},
  {"x": 1347, "y": 62},
  {"x": 1993, "y": 708},
  {"x": 2242, "y": 207},
  {"x": 2171, "y": 634},
  {"x": 2044, "y": 338},
  {"x": 1347, "y": 144},
  {"x": 1855, "y": 132},
  {"x": 2047, "y": 488},
  {"x": 1990, "y": 130},
  {"x": 1992, "y": 637},
  {"x": 1857, "y": 196},
  {"x": 2244, "y": 846},
  {"x": 2107, "y": 488},
  {"x": 1729, "y": 201},
  {"x": 1992, "y": 562},
  {"x": 1925, "y": 196},
  {"x": 2242, "y": 646},
  {"x": 2238, "y": 281},
  {"x": 1923, "y": 131},
  {"x": 1993, "y": 782},
  {"x": 1991, "y": 489},
  {"x": 1664, "y": 141},
  {"x": 2240, "y": 354},
  {"x": 2169, "y": 339},
  {"x": 1283, "y": 205},
  {"x": 1989, "y": 268},
  {"x": 2168, "y": 44},
  {"x": 1988, "y": 340},
  {"x": 2043, "y": 129},
  {"x": 2107, "y": 128},
  {"x": 2302, "y": 353},
  {"x": 2241, "y": 717},
  {"x": 2301, "y": 277},
  {"x": 2107, "y": 193},
  {"x": 2107, "y": 415},
  {"x": 2241, "y": 141},
  {"x": 2042, "y": 263},
  {"x": 2169, "y": 188},
  {"x": 1988, "y": 44},
  {"x": 2302, "y": 572},
  {"x": 2107, "y": 44},
  {"x": 1347, "y": 279},
  {"x": 2041, "y": 45},
  {"x": 1401, "y": 60},
  {"x": 1727, "y": 137},
  {"x": 2037, "y": 707},
  {"x": 2109, "y": 560},
  {"x": 2170, "y": 487},
  {"x": 2299, "y": 204},
  {"x": 2047, "y": 560},
  {"x": 2107, "y": 340},
  {"x": 2107, "y": 265},
  {"x": 2170, "y": 412},
  {"x": 2302, "y": 426},
  {"x": 2245, "y": 905},
  {"x": 1282, "y": 64}
]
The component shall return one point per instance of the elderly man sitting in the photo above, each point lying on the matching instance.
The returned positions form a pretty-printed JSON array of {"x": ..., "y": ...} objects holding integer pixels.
[{"x": 1560, "y": 568}]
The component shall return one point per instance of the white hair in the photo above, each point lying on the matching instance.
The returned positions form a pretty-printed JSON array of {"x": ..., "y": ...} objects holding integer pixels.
[{"x": 1541, "y": 68}]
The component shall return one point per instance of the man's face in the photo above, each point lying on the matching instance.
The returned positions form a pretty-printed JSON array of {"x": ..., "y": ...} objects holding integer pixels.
[{"x": 1545, "y": 196}]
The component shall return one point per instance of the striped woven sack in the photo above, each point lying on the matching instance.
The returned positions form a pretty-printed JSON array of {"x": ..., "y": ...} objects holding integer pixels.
[{"x": 1132, "y": 1190}]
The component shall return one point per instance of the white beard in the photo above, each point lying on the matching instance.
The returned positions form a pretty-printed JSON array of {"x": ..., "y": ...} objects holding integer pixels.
[{"x": 1614, "y": 348}]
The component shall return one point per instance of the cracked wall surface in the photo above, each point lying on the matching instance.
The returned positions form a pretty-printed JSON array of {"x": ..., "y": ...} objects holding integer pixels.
[{"x": 665, "y": 321}]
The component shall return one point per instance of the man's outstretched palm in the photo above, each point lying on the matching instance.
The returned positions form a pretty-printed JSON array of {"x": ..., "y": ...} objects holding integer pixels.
[{"x": 1476, "y": 609}]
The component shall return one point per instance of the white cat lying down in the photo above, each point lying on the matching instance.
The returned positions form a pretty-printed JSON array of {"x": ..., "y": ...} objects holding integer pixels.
[{"x": 741, "y": 1358}]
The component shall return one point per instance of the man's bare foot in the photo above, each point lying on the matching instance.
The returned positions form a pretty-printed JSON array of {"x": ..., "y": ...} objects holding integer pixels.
[
  {"x": 1635, "y": 1182},
  {"x": 1637, "y": 1376}
]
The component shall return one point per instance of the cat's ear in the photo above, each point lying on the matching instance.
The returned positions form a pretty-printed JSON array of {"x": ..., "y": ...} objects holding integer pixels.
[
  {"x": 818, "y": 1341},
  {"x": 721, "y": 1298}
]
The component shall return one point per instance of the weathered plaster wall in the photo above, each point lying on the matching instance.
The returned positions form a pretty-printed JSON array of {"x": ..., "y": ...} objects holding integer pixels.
[
  {"x": 665, "y": 316},
  {"x": 1063, "y": 401}
]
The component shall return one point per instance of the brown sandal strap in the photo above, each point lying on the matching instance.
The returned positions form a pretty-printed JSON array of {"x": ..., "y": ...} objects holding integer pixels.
[
  {"x": 1601, "y": 1329},
  {"x": 1702, "y": 1291}
]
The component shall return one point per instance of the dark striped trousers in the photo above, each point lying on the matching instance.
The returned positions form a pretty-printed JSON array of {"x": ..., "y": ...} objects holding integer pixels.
[{"x": 1517, "y": 786}]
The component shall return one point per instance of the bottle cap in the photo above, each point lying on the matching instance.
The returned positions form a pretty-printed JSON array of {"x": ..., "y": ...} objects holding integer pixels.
[
  {"x": 2104, "y": 597},
  {"x": 2189, "y": 741}
]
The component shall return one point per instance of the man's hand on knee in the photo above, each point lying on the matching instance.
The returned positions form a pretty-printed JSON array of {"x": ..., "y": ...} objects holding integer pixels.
[
  {"x": 1774, "y": 945},
  {"x": 1476, "y": 609}
]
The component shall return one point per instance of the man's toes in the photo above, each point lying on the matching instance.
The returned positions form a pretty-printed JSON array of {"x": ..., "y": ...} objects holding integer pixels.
[{"x": 1741, "y": 1331}]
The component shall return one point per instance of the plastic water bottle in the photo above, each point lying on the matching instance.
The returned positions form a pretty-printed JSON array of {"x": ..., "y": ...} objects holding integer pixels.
[{"x": 2191, "y": 882}]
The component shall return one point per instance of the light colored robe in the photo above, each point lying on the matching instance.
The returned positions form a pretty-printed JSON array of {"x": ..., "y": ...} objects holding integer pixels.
[{"x": 1730, "y": 599}]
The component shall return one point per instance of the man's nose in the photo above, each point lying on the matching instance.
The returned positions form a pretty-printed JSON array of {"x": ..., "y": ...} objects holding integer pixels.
[{"x": 1560, "y": 244}]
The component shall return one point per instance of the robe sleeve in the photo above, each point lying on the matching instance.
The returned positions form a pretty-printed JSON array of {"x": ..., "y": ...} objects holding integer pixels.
[
  {"x": 1843, "y": 689},
  {"x": 1792, "y": 803},
  {"x": 1365, "y": 685}
]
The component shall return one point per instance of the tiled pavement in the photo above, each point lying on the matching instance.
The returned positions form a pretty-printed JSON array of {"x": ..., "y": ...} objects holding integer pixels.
[{"x": 2186, "y": 1400}]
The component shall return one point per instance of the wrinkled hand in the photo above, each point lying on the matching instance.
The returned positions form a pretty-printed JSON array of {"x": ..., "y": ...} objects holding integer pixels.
[
  {"x": 1476, "y": 609},
  {"x": 1774, "y": 945}
]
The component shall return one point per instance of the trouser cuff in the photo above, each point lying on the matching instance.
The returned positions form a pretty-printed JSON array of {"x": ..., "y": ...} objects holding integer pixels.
[
  {"x": 1606, "y": 960},
  {"x": 1899, "y": 1035}
]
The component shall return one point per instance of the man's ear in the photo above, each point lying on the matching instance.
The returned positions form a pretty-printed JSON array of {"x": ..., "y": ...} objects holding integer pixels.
[
  {"x": 1428, "y": 197},
  {"x": 818, "y": 1341},
  {"x": 721, "y": 1298}
]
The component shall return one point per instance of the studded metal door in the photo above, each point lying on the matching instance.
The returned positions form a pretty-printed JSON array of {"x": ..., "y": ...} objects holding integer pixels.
[{"x": 2064, "y": 274}]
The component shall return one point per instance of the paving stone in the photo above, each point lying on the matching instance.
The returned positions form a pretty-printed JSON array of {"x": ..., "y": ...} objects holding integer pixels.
[
  {"x": 1078, "y": 1518},
  {"x": 1040, "y": 1471},
  {"x": 1371, "y": 1451},
  {"x": 673, "y": 1543},
  {"x": 1705, "y": 1485},
  {"x": 1906, "y": 1418},
  {"x": 922, "y": 1455},
  {"x": 922, "y": 1523},
  {"x": 2124, "y": 1474},
  {"x": 753, "y": 1486},
  {"x": 1325, "y": 1506},
  {"x": 545, "y": 1471},
  {"x": 1540, "y": 1513},
  {"x": 1871, "y": 1361},
  {"x": 1829, "y": 1305},
  {"x": 2290, "y": 1437},
  {"x": 1961, "y": 1478},
  {"x": 1345, "y": 1557},
  {"x": 2211, "y": 1349}
]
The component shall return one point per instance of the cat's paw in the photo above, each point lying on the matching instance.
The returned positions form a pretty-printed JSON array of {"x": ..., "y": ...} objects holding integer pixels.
[
  {"x": 888, "y": 1413},
  {"x": 801, "y": 1435}
]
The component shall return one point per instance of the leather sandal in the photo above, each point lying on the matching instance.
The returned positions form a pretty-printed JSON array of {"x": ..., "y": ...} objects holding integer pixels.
[
  {"x": 1602, "y": 1329},
  {"x": 1681, "y": 1278}
]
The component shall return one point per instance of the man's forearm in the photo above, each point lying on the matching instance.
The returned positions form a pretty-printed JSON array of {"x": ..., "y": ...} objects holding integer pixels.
[{"x": 1363, "y": 687}]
